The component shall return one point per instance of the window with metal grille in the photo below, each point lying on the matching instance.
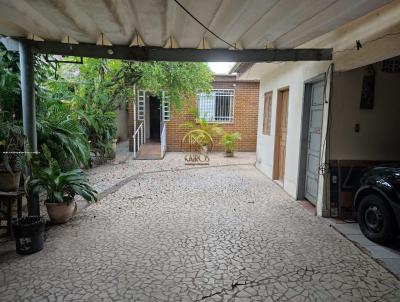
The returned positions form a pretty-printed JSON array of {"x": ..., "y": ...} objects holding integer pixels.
[{"x": 216, "y": 107}]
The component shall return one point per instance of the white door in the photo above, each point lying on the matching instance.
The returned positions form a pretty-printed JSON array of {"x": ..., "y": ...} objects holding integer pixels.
[{"x": 314, "y": 141}]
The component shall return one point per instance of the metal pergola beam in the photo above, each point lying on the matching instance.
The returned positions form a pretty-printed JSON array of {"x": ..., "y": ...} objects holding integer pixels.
[{"x": 179, "y": 54}]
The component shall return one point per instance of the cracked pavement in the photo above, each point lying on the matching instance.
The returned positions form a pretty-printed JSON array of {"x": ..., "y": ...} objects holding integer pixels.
[{"x": 223, "y": 233}]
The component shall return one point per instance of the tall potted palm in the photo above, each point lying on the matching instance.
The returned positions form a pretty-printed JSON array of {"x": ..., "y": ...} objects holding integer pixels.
[
  {"x": 207, "y": 131},
  {"x": 229, "y": 140},
  {"x": 60, "y": 188}
]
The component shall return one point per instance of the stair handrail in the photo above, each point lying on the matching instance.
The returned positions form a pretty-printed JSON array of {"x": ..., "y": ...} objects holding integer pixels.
[
  {"x": 163, "y": 140},
  {"x": 138, "y": 139}
]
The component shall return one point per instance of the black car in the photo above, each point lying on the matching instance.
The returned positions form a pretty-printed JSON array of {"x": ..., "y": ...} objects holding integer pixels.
[{"x": 377, "y": 202}]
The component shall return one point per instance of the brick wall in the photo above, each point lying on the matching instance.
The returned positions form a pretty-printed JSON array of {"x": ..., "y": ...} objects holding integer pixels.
[{"x": 244, "y": 119}]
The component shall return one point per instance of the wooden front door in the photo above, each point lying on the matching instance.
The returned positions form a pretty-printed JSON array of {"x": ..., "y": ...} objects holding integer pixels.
[{"x": 280, "y": 135}]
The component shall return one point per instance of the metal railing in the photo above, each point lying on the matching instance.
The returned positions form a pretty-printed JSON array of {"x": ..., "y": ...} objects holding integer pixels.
[
  {"x": 163, "y": 140},
  {"x": 138, "y": 139}
]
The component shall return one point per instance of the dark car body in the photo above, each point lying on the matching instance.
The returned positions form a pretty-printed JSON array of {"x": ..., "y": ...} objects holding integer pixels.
[{"x": 383, "y": 180}]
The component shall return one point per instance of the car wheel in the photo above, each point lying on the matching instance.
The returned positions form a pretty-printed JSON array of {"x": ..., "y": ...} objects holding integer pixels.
[{"x": 376, "y": 219}]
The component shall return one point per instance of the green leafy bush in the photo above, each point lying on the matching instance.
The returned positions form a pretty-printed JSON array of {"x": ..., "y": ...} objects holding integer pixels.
[
  {"x": 100, "y": 130},
  {"x": 61, "y": 131},
  {"x": 59, "y": 186}
]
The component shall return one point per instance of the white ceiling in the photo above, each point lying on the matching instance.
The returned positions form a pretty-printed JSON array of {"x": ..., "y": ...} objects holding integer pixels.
[{"x": 252, "y": 23}]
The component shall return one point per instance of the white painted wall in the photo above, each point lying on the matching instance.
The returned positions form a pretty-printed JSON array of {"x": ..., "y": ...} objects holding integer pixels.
[
  {"x": 378, "y": 32},
  {"x": 293, "y": 75},
  {"x": 379, "y": 128}
]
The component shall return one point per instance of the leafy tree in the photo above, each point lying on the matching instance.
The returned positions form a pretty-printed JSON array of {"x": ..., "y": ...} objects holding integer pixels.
[
  {"x": 104, "y": 84},
  {"x": 181, "y": 80}
]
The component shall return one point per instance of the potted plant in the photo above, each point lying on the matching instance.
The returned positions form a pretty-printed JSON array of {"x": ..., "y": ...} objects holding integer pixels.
[
  {"x": 11, "y": 144},
  {"x": 229, "y": 140},
  {"x": 207, "y": 131},
  {"x": 60, "y": 188}
]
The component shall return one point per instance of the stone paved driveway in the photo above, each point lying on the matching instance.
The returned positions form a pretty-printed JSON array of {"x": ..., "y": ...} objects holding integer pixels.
[{"x": 212, "y": 234}]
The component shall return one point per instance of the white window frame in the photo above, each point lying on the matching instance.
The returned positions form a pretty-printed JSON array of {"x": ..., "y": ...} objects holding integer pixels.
[{"x": 204, "y": 97}]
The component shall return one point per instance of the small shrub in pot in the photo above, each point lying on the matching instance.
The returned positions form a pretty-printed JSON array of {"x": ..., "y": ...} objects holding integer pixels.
[{"x": 229, "y": 140}]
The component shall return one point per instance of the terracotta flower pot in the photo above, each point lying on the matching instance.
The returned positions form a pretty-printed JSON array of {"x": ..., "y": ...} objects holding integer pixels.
[
  {"x": 8, "y": 181},
  {"x": 60, "y": 212},
  {"x": 228, "y": 154}
]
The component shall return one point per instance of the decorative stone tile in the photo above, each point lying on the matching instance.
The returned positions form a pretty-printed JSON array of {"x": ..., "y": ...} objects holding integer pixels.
[{"x": 173, "y": 233}]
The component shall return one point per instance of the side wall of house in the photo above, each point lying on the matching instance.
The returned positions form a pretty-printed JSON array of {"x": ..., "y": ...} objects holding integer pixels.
[
  {"x": 293, "y": 76},
  {"x": 378, "y": 32},
  {"x": 244, "y": 119}
]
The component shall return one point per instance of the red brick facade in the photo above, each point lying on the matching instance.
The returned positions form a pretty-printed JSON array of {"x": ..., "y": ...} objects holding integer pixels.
[{"x": 244, "y": 118}]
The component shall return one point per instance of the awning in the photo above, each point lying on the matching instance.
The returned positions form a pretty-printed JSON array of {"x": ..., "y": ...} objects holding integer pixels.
[{"x": 254, "y": 24}]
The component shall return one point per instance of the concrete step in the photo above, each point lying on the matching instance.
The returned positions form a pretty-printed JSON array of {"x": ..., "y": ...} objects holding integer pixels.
[{"x": 150, "y": 151}]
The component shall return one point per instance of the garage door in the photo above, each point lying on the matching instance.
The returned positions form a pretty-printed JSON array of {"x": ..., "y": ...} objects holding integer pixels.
[{"x": 314, "y": 141}]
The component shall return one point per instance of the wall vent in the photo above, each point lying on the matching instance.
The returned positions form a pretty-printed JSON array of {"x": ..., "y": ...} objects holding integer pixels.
[{"x": 391, "y": 65}]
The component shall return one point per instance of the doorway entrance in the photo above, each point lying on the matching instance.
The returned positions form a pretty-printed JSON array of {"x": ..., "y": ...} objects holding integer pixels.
[
  {"x": 314, "y": 141},
  {"x": 310, "y": 151},
  {"x": 154, "y": 118},
  {"x": 280, "y": 135}
]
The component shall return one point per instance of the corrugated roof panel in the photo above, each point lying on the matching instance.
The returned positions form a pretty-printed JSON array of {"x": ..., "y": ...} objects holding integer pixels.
[{"x": 252, "y": 23}]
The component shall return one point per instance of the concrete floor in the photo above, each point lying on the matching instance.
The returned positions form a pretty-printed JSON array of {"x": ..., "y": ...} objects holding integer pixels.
[
  {"x": 388, "y": 255},
  {"x": 166, "y": 232}
]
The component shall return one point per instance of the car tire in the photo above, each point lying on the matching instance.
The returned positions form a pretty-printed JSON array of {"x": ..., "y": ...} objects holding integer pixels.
[{"x": 376, "y": 219}]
